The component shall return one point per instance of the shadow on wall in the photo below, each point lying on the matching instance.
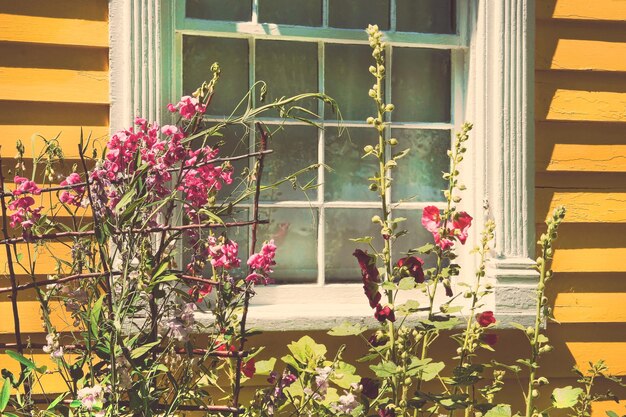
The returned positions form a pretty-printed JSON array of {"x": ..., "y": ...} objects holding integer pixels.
[{"x": 581, "y": 163}]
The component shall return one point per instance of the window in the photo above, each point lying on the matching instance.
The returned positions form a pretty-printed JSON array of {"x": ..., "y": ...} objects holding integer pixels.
[{"x": 444, "y": 58}]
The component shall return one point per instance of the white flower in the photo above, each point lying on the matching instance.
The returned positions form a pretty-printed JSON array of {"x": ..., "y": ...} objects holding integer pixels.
[
  {"x": 347, "y": 403},
  {"x": 90, "y": 397}
]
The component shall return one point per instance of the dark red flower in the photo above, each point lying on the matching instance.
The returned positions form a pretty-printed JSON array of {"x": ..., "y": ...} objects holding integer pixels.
[
  {"x": 383, "y": 314},
  {"x": 490, "y": 338},
  {"x": 386, "y": 412},
  {"x": 377, "y": 339},
  {"x": 370, "y": 388},
  {"x": 199, "y": 292},
  {"x": 411, "y": 266},
  {"x": 249, "y": 368},
  {"x": 485, "y": 318},
  {"x": 370, "y": 276}
]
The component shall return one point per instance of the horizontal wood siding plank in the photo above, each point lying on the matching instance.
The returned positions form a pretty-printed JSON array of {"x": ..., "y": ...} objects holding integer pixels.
[
  {"x": 583, "y": 206},
  {"x": 30, "y": 318},
  {"x": 565, "y": 104},
  {"x": 68, "y": 137},
  {"x": 591, "y": 157},
  {"x": 614, "y": 10},
  {"x": 590, "y": 307},
  {"x": 45, "y": 30},
  {"x": 565, "y": 54},
  {"x": 590, "y": 260},
  {"x": 49, "y": 85},
  {"x": 611, "y": 352}
]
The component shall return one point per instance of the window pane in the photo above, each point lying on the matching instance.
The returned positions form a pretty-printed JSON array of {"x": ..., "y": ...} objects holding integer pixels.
[
  {"x": 295, "y": 148},
  {"x": 295, "y": 234},
  {"x": 237, "y": 10},
  {"x": 232, "y": 54},
  {"x": 348, "y": 80},
  {"x": 357, "y": 14},
  {"x": 341, "y": 226},
  {"x": 235, "y": 141},
  {"x": 420, "y": 85},
  {"x": 417, "y": 236},
  {"x": 419, "y": 174},
  {"x": 288, "y": 68},
  {"x": 432, "y": 16},
  {"x": 291, "y": 12},
  {"x": 348, "y": 180}
]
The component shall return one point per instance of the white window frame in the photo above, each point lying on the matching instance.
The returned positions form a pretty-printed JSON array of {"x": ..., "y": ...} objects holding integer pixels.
[{"x": 492, "y": 71}]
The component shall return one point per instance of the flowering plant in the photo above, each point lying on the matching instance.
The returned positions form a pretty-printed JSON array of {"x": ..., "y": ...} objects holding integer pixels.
[{"x": 121, "y": 312}]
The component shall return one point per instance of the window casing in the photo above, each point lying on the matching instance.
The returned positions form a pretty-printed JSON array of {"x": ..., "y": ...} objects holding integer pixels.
[{"x": 482, "y": 67}]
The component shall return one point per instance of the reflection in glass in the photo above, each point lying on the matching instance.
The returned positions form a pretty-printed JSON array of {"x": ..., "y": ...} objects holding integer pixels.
[
  {"x": 420, "y": 85},
  {"x": 232, "y": 54},
  {"x": 348, "y": 179},
  {"x": 294, "y": 148},
  {"x": 291, "y": 12},
  {"x": 419, "y": 174},
  {"x": 295, "y": 234},
  {"x": 427, "y": 16},
  {"x": 340, "y": 226},
  {"x": 357, "y": 14},
  {"x": 347, "y": 81},
  {"x": 288, "y": 68},
  {"x": 235, "y": 10}
]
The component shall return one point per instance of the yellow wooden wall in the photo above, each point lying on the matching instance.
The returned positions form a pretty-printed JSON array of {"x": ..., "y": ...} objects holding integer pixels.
[{"x": 54, "y": 78}]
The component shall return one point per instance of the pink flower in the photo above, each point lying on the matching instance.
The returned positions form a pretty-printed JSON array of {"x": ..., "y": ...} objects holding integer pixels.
[
  {"x": 370, "y": 276},
  {"x": 187, "y": 107},
  {"x": 24, "y": 185},
  {"x": 75, "y": 197},
  {"x": 461, "y": 223},
  {"x": 169, "y": 130},
  {"x": 264, "y": 260},
  {"x": 486, "y": 318},
  {"x": 383, "y": 314},
  {"x": 223, "y": 253},
  {"x": 431, "y": 219}
]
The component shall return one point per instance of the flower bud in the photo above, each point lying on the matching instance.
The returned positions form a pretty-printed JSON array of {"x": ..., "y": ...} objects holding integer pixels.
[
  {"x": 389, "y": 107},
  {"x": 393, "y": 141},
  {"x": 370, "y": 120},
  {"x": 368, "y": 148}
]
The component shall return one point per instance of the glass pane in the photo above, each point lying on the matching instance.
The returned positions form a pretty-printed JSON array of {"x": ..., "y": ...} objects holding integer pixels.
[
  {"x": 235, "y": 141},
  {"x": 295, "y": 148},
  {"x": 342, "y": 225},
  {"x": 232, "y": 54},
  {"x": 348, "y": 180},
  {"x": 417, "y": 236},
  {"x": 419, "y": 174},
  {"x": 288, "y": 68},
  {"x": 431, "y": 16},
  {"x": 420, "y": 85},
  {"x": 348, "y": 80},
  {"x": 357, "y": 14},
  {"x": 291, "y": 12},
  {"x": 295, "y": 234},
  {"x": 237, "y": 10}
]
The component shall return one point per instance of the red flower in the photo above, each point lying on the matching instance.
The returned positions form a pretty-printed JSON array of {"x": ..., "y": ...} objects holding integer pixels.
[
  {"x": 377, "y": 339},
  {"x": 462, "y": 222},
  {"x": 383, "y": 314},
  {"x": 444, "y": 234},
  {"x": 413, "y": 266},
  {"x": 490, "y": 338},
  {"x": 386, "y": 412},
  {"x": 370, "y": 276},
  {"x": 485, "y": 318},
  {"x": 248, "y": 368},
  {"x": 199, "y": 292},
  {"x": 370, "y": 388}
]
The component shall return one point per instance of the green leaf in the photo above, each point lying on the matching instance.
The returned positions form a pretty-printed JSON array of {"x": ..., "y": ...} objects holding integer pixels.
[
  {"x": 407, "y": 283},
  {"x": 127, "y": 198},
  {"x": 142, "y": 350},
  {"x": 75, "y": 404},
  {"x": 426, "y": 249},
  {"x": 265, "y": 367},
  {"x": 347, "y": 329},
  {"x": 56, "y": 401},
  {"x": 5, "y": 394},
  {"x": 431, "y": 370},
  {"x": 344, "y": 375},
  {"x": 94, "y": 318},
  {"x": 305, "y": 349},
  {"x": 611, "y": 413},
  {"x": 410, "y": 306},
  {"x": 366, "y": 239},
  {"x": 566, "y": 397},
  {"x": 21, "y": 359},
  {"x": 291, "y": 361},
  {"x": 385, "y": 369},
  {"x": 500, "y": 410}
]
